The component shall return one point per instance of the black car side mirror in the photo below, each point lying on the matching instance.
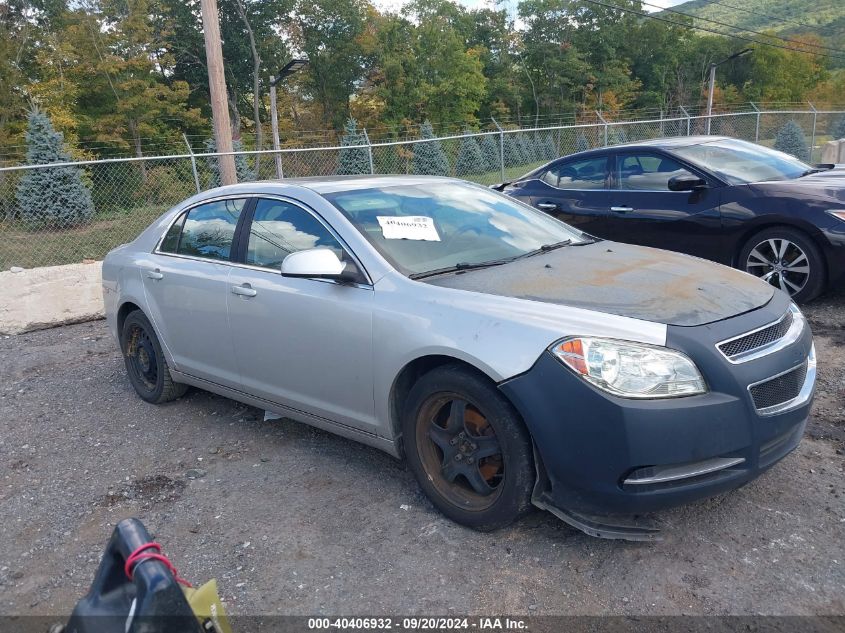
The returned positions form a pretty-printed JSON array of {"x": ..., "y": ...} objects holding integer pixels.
[{"x": 686, "y": 182}]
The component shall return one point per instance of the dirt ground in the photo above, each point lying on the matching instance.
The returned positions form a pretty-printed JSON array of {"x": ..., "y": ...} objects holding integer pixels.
[{"x": 292, "y": 520}]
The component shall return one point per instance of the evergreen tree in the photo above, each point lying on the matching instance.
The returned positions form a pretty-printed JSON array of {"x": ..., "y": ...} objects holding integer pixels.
[
  {"x": 790, "y": 139},
  {"x": 616, "y": 136},
  {"x": 470, "y": 158},
  {"x": 519, "y": 152},
  {"x": 429, "y": 158},
  {"x": 55, "y": 197},
  {"x": 581, "y": 143},
  {"x": 529, "y": 149},
  {"x": 549, "y": 149},
  {"x": 838, "y": 129},
  {"x": 244, "y": 173},
  {"x": 492, "y": 152},
  {"x": 513, "y": 151},
  {"x": 355, "y": 160}
]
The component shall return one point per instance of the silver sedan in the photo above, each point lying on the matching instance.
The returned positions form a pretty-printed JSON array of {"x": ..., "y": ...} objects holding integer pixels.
[{"x": 511, "y": 359}]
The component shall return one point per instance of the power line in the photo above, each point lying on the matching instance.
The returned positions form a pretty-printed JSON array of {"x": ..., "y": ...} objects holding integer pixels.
[
  {"x": 765, "y": 15},
  {"x": 745, "y": 30},
  {"x": 651, "y": 16}
]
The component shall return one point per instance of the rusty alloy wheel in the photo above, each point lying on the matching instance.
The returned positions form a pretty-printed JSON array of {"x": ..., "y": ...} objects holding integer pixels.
[{"x": 459, "y": 451}]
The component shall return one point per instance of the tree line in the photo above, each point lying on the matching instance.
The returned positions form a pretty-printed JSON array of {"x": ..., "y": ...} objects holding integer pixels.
[{"x": 118, "y": 76}]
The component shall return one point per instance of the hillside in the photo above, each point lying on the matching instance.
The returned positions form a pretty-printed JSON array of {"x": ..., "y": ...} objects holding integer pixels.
[{"x": 825, "y": 18}]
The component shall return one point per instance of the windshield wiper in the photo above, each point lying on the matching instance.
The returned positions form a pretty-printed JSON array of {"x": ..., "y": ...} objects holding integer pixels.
[
  {"x": 545, "y": 248},
  {"x": 462, "y": 266},
  {"x": 816, "y": 170}
]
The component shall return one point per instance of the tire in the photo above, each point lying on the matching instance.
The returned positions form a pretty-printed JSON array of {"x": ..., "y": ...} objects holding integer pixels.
[
  {"x": 145, "y": 363},
  {"x": 468, "y": 448},
  {"x": 786, "y": 258}
]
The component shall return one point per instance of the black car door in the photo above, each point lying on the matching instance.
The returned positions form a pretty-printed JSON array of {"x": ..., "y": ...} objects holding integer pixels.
[
  {"x": 644, "y": 211},
  {"x": 575, "y": 191}
]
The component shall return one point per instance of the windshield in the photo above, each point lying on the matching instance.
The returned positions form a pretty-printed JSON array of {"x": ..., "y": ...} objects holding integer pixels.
[
  {"x": 739, "y": 162},
  {"x": 426, "y": 227}
]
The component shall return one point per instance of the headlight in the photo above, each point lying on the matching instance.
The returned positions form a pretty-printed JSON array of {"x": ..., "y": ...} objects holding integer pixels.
[
  {"x": 837, "y": 213},
  {"x": 630, "y": 370}
]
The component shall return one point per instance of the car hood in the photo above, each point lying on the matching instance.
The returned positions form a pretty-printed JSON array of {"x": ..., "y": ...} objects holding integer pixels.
[
  {"x": 825, "y": 185},
  {"x": 621, "y": 279}
]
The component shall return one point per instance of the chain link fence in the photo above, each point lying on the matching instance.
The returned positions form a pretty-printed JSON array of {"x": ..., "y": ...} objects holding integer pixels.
[{"x": 126, "y": 195}]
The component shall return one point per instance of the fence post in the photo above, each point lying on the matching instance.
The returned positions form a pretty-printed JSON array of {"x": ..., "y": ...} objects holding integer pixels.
[
  {"x": 662, "y": 129},
  {"x": 813, "y": 137},
  {"x": 601, "y": 118},
  {"x": 193, "y": 163},
  {"x": 501, "y": 147},
  {"x": 757, "y": 126},
  {"x": 686, "y": 114},
  {"x": 369, "y": 151}
]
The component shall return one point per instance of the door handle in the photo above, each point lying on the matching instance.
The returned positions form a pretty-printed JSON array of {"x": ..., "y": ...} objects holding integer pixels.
[
  {"x": 547, "y": 206},
  {"x": 245, "y": 290},
  {"x": 621, "y": 209},
  {"x": 155, "y": 274}
]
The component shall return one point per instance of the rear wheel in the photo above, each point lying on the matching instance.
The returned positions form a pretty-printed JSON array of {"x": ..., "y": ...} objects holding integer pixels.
[
  {"x": 145, "y": 363},
  {"x": 787, "y": 259},
  {"x": 468, "y": 448}
]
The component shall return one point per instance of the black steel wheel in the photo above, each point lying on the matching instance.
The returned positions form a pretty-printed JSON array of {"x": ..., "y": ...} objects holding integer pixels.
[
  {"x": 145, "y": 363},
  {"x": 468, "y": 448},
  {"x": 787, "y": 259}
]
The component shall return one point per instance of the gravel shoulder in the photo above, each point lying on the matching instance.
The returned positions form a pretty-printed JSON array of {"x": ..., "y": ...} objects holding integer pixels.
[{"x": 292, "y": 520}]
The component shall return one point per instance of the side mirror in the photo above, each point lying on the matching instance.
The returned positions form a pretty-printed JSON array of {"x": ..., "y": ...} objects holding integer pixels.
[
  {"x": 319, "y": 263},
  {"x": 686, "y": 182}
]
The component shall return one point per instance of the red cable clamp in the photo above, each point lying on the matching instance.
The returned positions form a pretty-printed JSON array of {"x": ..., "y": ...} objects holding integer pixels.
[{"x": 140, "y": 555}]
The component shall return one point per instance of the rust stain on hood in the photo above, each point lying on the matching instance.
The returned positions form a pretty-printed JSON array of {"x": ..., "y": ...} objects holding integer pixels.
[{"x": 631, "y": 281}]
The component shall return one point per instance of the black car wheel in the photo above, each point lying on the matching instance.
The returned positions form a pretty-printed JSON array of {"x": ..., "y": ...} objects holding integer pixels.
[
  {"x": 468, "y": 448},
  {"x": 787, "y": 259},
  {"x": 145, "y": 363}
]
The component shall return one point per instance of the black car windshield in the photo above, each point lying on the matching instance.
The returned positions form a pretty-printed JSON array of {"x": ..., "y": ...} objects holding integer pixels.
[
  {"x": 430, "y": 226},
  {"x": 740, "y": 162}
]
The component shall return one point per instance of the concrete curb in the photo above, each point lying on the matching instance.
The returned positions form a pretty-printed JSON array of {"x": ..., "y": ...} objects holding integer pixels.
[{"x": 38, "y": 298}]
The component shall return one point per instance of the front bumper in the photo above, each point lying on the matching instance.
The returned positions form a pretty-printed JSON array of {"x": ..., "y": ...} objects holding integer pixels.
[{"x": 603, "y": 455}]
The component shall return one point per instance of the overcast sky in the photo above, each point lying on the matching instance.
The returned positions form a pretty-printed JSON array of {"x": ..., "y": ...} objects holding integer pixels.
[{"x": 395, "y": 5}]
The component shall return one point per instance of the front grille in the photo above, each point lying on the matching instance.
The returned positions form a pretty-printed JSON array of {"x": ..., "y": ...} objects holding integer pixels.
[
  {"x": 780, "y": 389},
  {"x": 758, "y": 339}
]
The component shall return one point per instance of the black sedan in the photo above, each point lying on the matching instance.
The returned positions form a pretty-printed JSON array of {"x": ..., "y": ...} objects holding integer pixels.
[{"x": 734, "y": 202}]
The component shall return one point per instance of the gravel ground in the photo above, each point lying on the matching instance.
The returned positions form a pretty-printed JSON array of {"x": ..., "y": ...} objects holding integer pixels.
[{"x": 293, "y": 520}]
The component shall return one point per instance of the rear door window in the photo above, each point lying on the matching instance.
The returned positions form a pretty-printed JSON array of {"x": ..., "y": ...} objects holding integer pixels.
[{"x": 209, "y": 229}]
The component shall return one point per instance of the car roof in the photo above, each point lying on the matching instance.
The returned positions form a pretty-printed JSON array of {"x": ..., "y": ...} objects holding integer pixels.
[
  {"x": 321, "y": 184},
  {"x": 658, "y": 143}
]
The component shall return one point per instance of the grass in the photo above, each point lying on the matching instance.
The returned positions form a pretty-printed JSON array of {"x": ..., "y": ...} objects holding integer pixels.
[
  {"x": 51, "y": 247},
  {"x": 511, "y": 173}
]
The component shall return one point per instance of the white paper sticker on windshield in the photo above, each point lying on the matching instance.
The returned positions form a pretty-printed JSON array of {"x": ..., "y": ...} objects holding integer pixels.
[{"x": 410, "y": 227}]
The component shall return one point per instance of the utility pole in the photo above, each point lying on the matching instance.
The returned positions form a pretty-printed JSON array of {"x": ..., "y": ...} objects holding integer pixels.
[
  {"x": 713, "y": 83},
  {"x": 290, "y": 68},
  {"x": 274, "y": 124},
  {"x": 217, "y": 90}
]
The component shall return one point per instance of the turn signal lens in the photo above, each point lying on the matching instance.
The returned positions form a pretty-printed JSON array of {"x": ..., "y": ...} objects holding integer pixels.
[
  {"x": 571, "y": 352},
  {"x": 630, "y": 370}
]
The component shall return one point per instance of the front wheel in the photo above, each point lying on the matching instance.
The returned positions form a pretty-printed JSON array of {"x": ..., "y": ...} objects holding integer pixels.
[
  {"x": 468, "y": 448},
  {"x": 787, "y": 259}
]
